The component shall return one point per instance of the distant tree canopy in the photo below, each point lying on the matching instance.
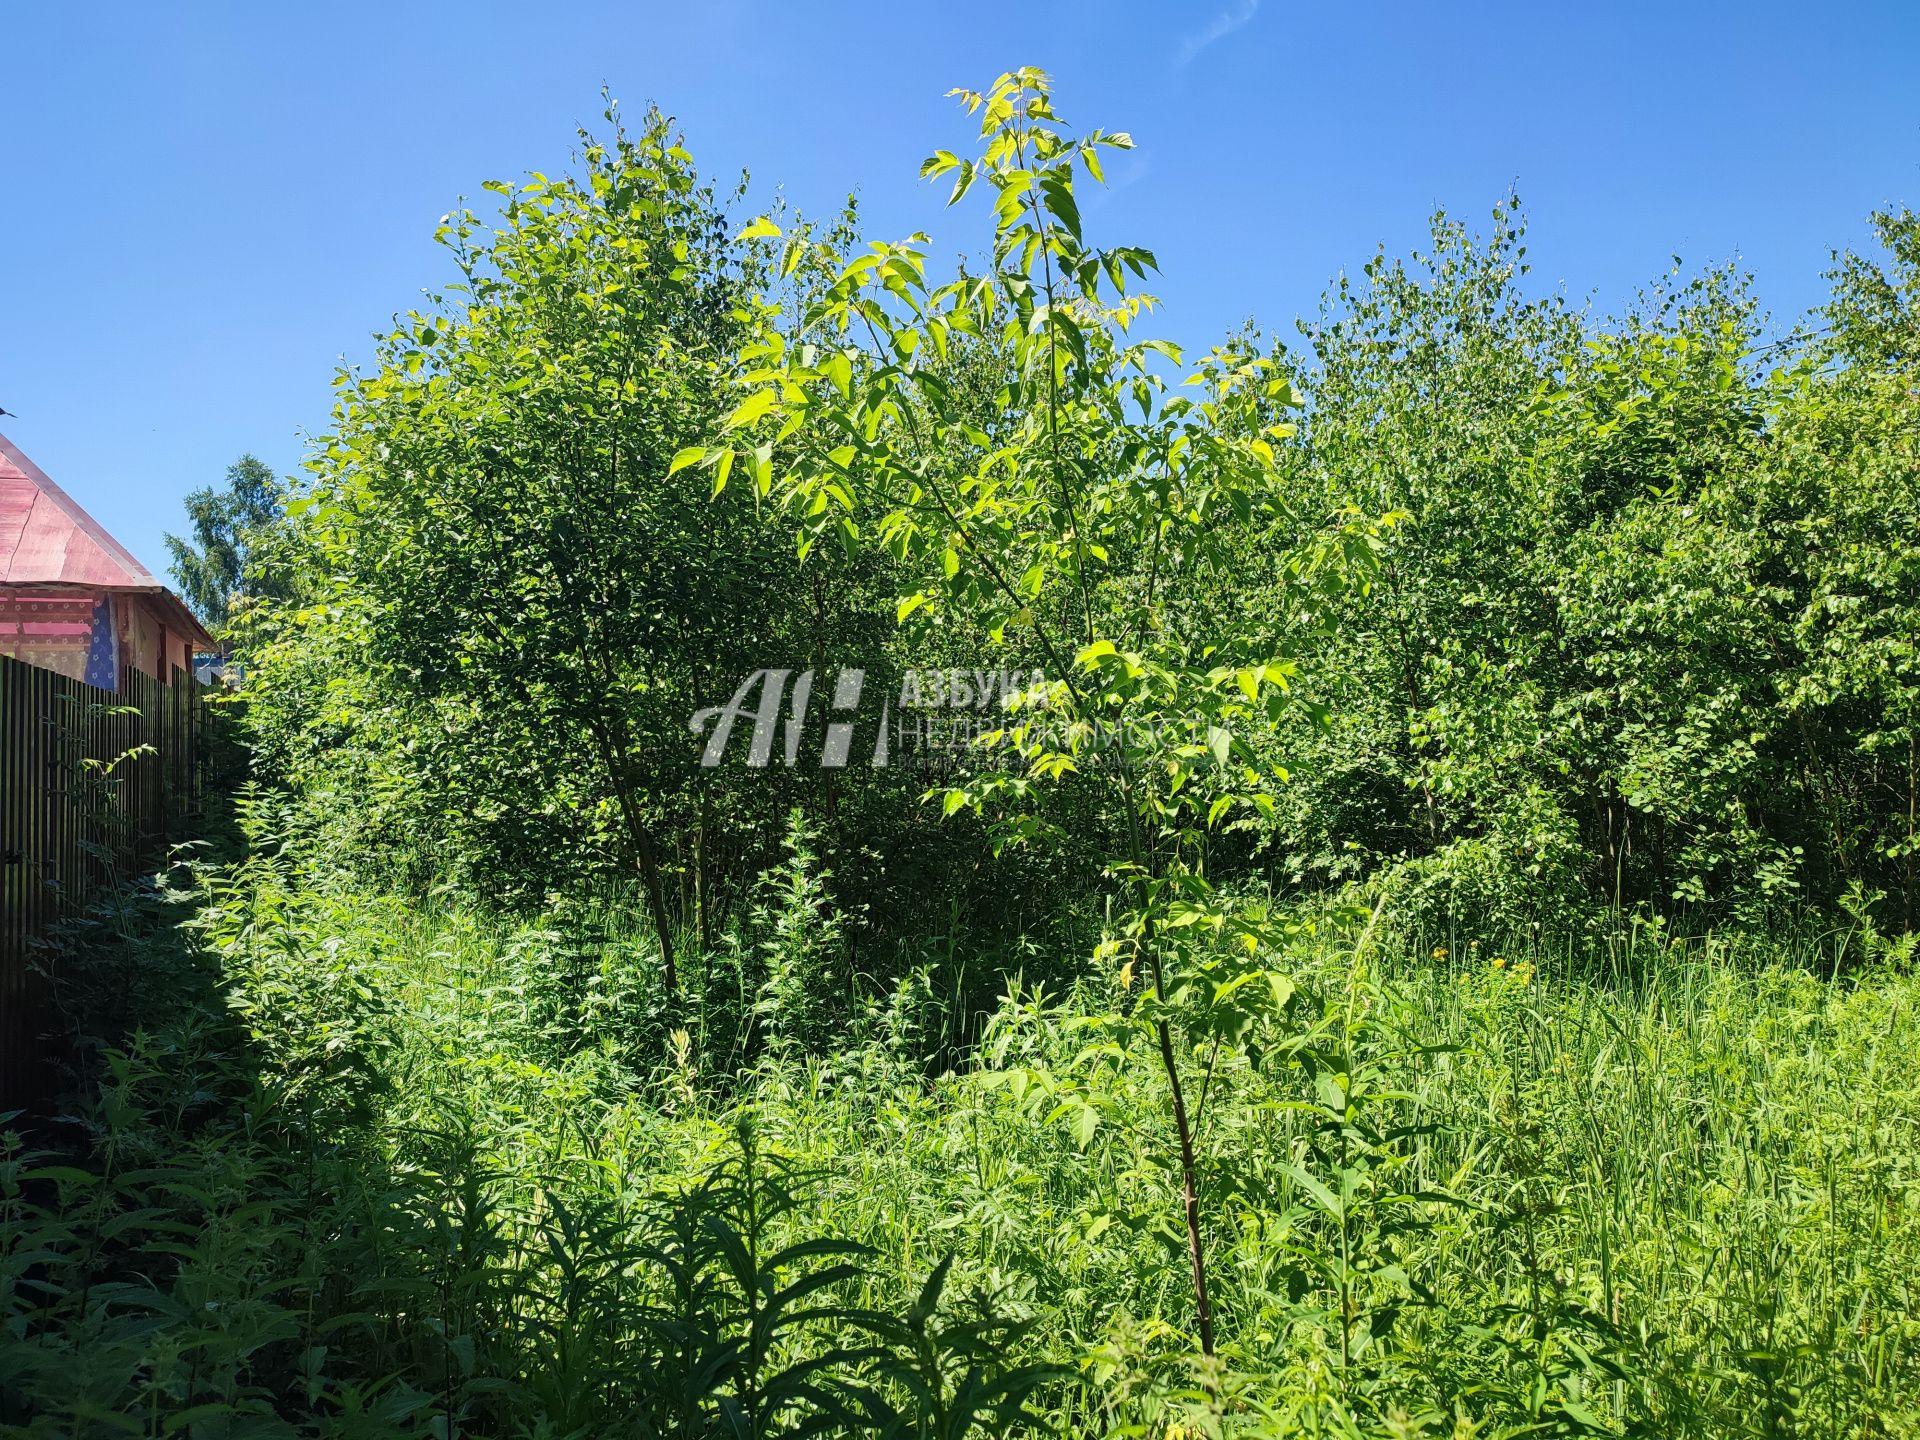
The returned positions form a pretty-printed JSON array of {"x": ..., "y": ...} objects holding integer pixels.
[
  {"x": 229, "y": 525},
  {"x": 1875, "y": 311}
]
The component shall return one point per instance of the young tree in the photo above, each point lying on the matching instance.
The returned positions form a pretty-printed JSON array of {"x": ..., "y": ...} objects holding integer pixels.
[{"x": 1094, "y": 527}]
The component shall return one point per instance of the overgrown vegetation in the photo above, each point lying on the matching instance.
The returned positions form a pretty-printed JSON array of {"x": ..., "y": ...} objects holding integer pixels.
[
  {"x": 1425, "y": 949},
  {"x": 373, "y": 1167}
]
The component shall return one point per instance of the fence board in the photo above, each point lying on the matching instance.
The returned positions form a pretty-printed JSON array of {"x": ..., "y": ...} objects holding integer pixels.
[{"x": 68, "y": 827}]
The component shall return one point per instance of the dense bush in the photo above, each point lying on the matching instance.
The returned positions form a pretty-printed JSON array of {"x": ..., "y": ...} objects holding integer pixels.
[
  {"x": 1647, "y": 639},
  {"x": 506, "y": 608}
]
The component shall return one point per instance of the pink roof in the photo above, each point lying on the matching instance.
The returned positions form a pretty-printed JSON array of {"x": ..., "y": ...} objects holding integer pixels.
[{"x": 47, "y": 539}]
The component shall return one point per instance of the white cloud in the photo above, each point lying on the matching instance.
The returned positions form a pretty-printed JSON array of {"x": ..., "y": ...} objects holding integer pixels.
[{"x": 1224, "y": 24}]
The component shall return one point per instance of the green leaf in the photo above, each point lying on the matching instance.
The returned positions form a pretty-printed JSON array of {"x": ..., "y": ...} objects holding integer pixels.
[
  {"x": 1220, "y": 742},
  {"x": 1086, "y": 1121},
  {"x": 962, "y": 182},
  {"x": 839, "y": 370},
  {"x": 751, "y": 409},
  {"x": 1322, "y": 1196},
  {"x": 1092, "y": 655}
]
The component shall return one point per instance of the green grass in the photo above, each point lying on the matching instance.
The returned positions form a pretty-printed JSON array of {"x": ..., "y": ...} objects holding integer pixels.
[{"x": 372, "y": 1168}]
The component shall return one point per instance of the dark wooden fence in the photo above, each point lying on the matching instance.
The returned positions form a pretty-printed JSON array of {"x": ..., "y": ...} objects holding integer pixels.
[{"x": 78, "y": 809}]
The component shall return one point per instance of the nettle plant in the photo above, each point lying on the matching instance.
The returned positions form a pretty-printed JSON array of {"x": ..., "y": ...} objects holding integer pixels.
[{"x": 1130, "y": 534}]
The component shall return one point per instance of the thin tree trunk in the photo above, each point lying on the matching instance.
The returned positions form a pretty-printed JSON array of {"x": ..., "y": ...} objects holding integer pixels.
[
  {"x": 1913, "y": 823},
  {"x": 642, "y": 842},
  {"x": 1189, "y": 1191},
  {"x": 656, "y": 900},
  {"x": 702, "y": 883}
]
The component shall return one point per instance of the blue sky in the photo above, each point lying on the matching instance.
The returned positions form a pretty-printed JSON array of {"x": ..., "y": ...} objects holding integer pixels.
[{"x": 210, "y": 205}]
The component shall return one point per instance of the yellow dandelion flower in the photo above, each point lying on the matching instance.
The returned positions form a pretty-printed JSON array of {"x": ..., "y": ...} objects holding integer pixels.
[{"x": 1499, "y": 962}]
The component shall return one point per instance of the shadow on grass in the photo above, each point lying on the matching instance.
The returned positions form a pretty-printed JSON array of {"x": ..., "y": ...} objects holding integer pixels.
[{"x": 204, "y": 1236}]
